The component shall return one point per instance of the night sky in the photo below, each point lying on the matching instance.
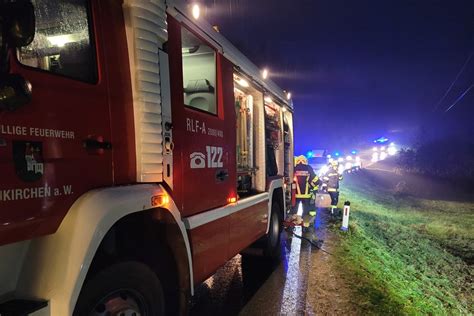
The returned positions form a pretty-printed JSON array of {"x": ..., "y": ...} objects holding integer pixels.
[{"x": 361, "y": 69}]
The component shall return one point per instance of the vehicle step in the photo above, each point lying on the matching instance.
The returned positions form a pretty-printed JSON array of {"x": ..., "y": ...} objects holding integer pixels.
[{"x": 21, "y": 307}]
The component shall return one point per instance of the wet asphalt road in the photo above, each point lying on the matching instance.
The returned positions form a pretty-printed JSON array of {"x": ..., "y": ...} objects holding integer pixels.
[{"x": 249, "y": 285}]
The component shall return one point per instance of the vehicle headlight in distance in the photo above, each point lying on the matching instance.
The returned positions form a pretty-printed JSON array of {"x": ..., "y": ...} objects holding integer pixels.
[
  {"x": 392, "y": 150},
  {"x": 375, "y": 157}
]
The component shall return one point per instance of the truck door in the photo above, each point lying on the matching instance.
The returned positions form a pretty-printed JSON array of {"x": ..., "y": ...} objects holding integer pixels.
[
  {"x": 205, "y": 126},
  {"x": 55, "y": 148}
]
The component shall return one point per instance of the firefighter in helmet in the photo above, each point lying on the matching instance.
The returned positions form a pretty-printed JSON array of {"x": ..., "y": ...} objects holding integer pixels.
[
  {"x": 306, "y": 181},
  {"x": 332, "y": 179}
]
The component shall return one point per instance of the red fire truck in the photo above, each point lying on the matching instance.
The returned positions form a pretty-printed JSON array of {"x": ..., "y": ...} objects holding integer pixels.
[{"x": 139, "y": 151}]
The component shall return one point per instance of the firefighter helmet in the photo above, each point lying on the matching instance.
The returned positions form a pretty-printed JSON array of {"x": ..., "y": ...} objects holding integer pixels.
[
  {"x": 334, "y": 163},
  {"x": 301, "y": 159}
]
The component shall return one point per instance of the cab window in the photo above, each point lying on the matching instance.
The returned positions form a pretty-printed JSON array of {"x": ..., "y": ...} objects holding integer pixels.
[
  {"x": 63, "y": 40},
  {"x": 199, "y": 73}
]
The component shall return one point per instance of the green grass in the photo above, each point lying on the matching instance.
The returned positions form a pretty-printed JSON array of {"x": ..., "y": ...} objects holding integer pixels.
[{"x": 406, "y": 255}]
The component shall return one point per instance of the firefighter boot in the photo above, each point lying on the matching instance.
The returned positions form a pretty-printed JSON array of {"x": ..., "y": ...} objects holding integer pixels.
[
  {"x": 308, "y": 219},
  {"x": 312, "y": 217}
]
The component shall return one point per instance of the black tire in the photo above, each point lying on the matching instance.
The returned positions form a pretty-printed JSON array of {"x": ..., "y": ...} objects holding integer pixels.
[
  {"x": 128, "y": 285},
  {"x": 272, "y": 240}
]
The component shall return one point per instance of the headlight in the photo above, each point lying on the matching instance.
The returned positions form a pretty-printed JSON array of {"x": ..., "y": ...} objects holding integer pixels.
[
  {"x": 392, "y": 150},
  {"x": 375, "y": 157}
]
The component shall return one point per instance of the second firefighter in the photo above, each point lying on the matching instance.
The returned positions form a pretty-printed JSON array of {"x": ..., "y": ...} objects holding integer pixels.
[{"x": 332, "y": 179}]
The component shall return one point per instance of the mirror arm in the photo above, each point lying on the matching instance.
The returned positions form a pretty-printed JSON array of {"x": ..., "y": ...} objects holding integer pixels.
[
  {"x": 4, "y": 60},
  {"x": 4, "y": 47}
]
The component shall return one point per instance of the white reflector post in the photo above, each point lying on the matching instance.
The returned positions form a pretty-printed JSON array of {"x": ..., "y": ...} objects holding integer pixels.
[{"x": 345, "y": 216}]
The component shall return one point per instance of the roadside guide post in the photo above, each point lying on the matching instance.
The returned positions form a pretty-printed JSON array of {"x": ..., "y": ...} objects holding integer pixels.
[{"x": 345, "y": 216}]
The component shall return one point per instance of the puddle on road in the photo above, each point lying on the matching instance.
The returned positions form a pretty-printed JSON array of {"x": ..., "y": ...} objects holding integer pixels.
[{"x": 292, "y": 280}]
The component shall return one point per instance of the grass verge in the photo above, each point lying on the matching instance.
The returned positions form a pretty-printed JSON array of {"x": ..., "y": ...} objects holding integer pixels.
[{"x": 406, "y": 255}]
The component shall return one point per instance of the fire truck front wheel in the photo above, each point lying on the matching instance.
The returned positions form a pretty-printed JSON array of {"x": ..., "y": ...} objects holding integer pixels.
[{"x": 129, "y": 288}]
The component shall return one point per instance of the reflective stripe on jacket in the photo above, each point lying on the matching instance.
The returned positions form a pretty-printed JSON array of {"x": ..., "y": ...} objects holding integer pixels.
[{"x": 305, "y": 180}]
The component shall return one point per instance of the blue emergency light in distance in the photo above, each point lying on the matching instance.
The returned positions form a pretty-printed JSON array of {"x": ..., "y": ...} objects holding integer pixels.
[
  {"x": 354, "y": 152},
  {"x": 381, "y": 140},
  {"x": 309, "y": 154},
  {"x": 336, "y": 154}
]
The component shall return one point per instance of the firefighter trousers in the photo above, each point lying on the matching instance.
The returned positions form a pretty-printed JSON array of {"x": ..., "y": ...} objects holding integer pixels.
[{"x": 334, "y": 197}]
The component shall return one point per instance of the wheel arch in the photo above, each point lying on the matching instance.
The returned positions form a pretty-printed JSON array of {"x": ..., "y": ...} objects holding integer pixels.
[
  {"x": 151, "y": 237},
  {"x": 56, "y": 266}
]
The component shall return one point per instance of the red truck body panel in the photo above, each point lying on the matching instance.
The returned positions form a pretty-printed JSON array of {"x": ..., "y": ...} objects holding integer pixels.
[
  {"x": 64, "y": 113},
  {"x": 210, "y": 244},
  {"x": 198, "y": 190}
]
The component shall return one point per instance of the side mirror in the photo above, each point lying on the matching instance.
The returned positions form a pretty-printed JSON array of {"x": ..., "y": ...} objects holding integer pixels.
[
  {"x": 15, "y": 92},
  {"x": 21, "y": 23},
  {"x": 18, "y": 23},
  {"x": 17, "y": 29}
]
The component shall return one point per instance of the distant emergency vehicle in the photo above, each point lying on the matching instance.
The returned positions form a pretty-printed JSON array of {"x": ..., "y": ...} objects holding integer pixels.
[
  {"x": 139, "y": 151},
  {"x": 317, "y": 159}
]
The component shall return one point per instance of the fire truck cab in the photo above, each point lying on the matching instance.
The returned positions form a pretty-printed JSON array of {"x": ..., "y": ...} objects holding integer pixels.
[{"x": 139, "y": 151}]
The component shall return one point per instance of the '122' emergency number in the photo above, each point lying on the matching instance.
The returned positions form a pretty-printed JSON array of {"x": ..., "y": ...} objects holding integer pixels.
[{"x": 214, "y": 157}]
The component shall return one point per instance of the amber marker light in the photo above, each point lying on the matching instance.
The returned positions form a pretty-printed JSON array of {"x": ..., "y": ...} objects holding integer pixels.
[
  {"x": 232, "y": 199},
  {"x": 160, "y": 200}
]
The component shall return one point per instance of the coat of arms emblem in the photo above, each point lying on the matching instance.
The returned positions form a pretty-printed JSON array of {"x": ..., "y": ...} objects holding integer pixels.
[{"x": 28, "y": 160}]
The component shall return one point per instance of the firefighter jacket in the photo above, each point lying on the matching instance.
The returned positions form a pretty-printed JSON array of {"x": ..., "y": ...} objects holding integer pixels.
[
  {"x": 306, "y": 179},
  {"x": 332, "y": 178}
]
